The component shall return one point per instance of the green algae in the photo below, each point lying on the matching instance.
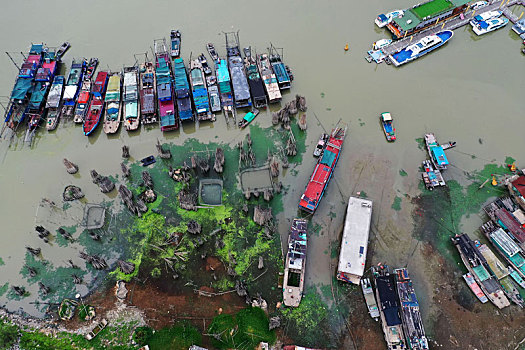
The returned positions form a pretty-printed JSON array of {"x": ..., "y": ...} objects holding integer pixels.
[
  {"x": 4, "y": 288},
  {"x": 1, "y": 261},
  {"x": 420, "y": 143},
  {"x": 402, "y": 172},
  {"x": 396, "y": 205}
]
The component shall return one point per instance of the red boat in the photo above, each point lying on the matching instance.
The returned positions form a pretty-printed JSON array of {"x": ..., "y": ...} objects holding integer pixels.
[
  {"x": 323, "y": 171},
  {"x": 97, "y": 103}
]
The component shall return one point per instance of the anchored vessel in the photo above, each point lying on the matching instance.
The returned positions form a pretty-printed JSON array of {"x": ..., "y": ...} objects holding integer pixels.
[
  {"x": 205, "y": 67},
  {"x": 96, "y": 107},
  {"x": 241, "y": 89},
  {"x": 431, "y": 177},
  {"x": 213, "y": 93},
  {"x": 269, "y": 79},
  {"x": 387, "y": 122},
  {"x": 199, "y": 92},
  {"x": 225, "y": 90},
  {"x": 427, "y": 44},
  {"x": 167, "y": 113},
  {"x": 72, "y": 89},
  {"x": 489, "y": 25},
  {"x": 410, "y": 313},
  {"x": 295, "y": 263},
  {"x": 474, "y": 287},
  {"x": 248, "y": 118},
  {"x": 130, "y": 99},
  {"x": 354, "y": 243},
  {"x": 54, "y": 99},
  {"x": 370, "y": 299},
  {"x": 485, "y": 16},
  {"x": 436, "y": 151},
  {"x": 282, "y": 72},
  {"x": 213, "y": 53},
  {"x": 254, "y": 79},
  {"x": 148, "y": 103},
  {"x": 112, "y": 110},
  {"x": 182, "y": 90},
  {"x": 323, "y": 171},
  {"x": 175, "y": 43}
]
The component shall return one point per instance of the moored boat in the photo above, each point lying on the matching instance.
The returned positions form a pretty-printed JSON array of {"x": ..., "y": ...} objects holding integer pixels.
[
  {"x": 175, "y": 43},
  {"x": 323, "y": 171},
  {"x": 431, "y": 177},
  {"x": 241, "y": 89},
  {"x": 378, "y": 45},
  {"x": 254, "y": 79},
  {"x": 516, "y": 277},
  {"x": 269, "y": 79},
  {"x": 167, "y": 113},
  {"x": 62, "y": 50},
  {"x": 248, "y": 118},
  {"x": 213, "y": 94},
  {"x": 91, "y": 68},
  {"x": 130, "y": 99},
  {"x": 489, "y": 25},
  {"x": 112, "y": 110},
  {"x": 474, "y": 287},
  {"x": 436, "y": 152},
  {"x": 148, "y": 108},
  {"x": 282, "y": 72},
  {"x": 36, "y": 108},
  {"x": 485, "y": 16},
  {"x": 387, "y": 122},
  {"x": 370, "y": 299},
  {"x": 319, "y": 148},
  {"x": 53, "y": 103},
  {"x": 225, "y": 90},
  {"x": 199, "y": 91},
  {"x": 383, "y": 19},
  {"x": 182, "y": 90},
  {"x": 212, "y": 52},
  {"x": 72, "y": 88},
  {"x": 82, "y": 103},
  {"x": 205, "y": 66},
  {"x": 295, "y": 263},
  {"x": 96, "y": 106},
  {"x": 427, "y": 44}
]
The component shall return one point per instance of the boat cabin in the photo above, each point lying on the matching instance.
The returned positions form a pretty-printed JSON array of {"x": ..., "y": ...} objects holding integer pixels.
[{"x": 439, "y": 157}]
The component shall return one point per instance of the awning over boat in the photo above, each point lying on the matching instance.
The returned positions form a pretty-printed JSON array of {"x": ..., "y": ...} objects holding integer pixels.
[
  {"x": 21, "y": 88},
  {"x": 483, "y": 25},
  {"x": 83, "y": 97},
  {"x": 70, "y": 91},
  {"x": 131, "y": 110},
  {"x": 439, "y": 155},
  {"x": 113, "y": 96},
  {"x": 386, "y": 116},
  {"x": 37, "y": 96},
  {"x": 167, "y": 120},
  {"x": 249, "y": 117},
  {"x": 328, "y": 158},
  {"x": 222, "y": 72},
  {"x": 481, "y": 272}
]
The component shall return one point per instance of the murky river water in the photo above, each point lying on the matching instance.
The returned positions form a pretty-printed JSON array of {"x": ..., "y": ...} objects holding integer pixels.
[{"x": 470, "y": 91}]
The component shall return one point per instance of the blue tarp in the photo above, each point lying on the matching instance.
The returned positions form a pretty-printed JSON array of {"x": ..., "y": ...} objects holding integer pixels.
[
  {"x": 222, "y": 72},
  {"x": 328, "y": 158},
  {"x": 21, "y": 88},
  {"x": 167, "y": 120},
  {"x": 439, "y": 155}
]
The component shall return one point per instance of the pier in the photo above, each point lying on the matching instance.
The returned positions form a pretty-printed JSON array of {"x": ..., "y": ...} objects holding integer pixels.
[{"x": 454, "y": 23}]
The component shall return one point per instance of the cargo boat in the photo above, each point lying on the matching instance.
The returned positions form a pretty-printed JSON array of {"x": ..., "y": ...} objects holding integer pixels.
[
  {"x": 148, "y": 110},
  {"x": 254, "y": 79},
  {"x": 130, "y": 98},
  {"x": 269, "y": 79},
  {"x": 72, "y": 88},
  {"x": 54, "y": 101},
  {"x": 167, "y": 114},
  {"x": 474, "y": 287},
  {"x": 370, "y": 299},
  {"x": 182, "y": 90},
  {"x": 508, "y": 249},
  {"x": 96, "y": 107},
  {"x": 295, "y": 263},
  {"x": 199, "y": 91},
  {"x": 389, "y": 308},
  {"x": 410, "y": 312},
  {"x": 112, "y": 109},
  {"x": 323, "y": 171},
  {"x": 175, "y": 43},
  {"x": 241, "y": 89},
  {"x": 213, "y": 94},
  {"x": 282, "y": 72},
  {"x": 225, "y": 90},
  {"x": 427, "y": 44},
  {"x": 477, "y": 265}
]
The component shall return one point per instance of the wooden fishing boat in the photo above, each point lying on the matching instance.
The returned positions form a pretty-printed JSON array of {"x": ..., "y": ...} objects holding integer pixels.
[
  {"x": 295, "y": 263},
  {"x": 269, "y": 79},
  {"x": 387, "y": 122},
  {"x": 167, "y": 113},
  {"x": 131, "y": 98},
  {"x": 199, "y": 91},
  {"x": 213, "y": 53},
  {"x": 148, "y": 110},
  {"x": 323, "y": 171},
  {"x": 205, "y": 67},
  {"x": 182, "y": 90},
  {"x": 112, "y": 110},
  {"x": 370, "y": 299},
  {"x": 213, "y": 93},
  {"x": 248, "y": 118},
  {"x": 282, "y": 72},
  {"x": 53, "y": 103},
  {"x": 175, "y": 43},
  {"x": 91, "y": 68},
  {"x": 73, "y": 87},
  {"x": 254, "y": 79},
  {"x": 225, "y": 90},
  {"x": 96, "y": 107},
  {"x": 62, "y": 50},
  {"x": 241, "y": 89}
]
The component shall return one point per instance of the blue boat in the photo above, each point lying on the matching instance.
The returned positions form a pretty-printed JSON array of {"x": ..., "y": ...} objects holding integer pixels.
[
  {"x": 422, "y": 47},
  {"x": 199, "y": 91},
  {"x": 182, "y": 90},
  {"x": 74, "y": 81},
  {"x": 167, "y": 113},
  {"x": 225, "y": 89},
  {"x": 282, "y": 72}
]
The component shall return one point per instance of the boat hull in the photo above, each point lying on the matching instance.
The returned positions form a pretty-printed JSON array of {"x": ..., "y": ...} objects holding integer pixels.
[{"x": 405, "y": 56}]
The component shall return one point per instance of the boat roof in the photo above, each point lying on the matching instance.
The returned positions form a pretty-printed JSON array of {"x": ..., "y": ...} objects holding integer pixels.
[
  {"x": 21, "y": 88},
  {"x": 386, "y": 116},
  {"x": 388, "y": 300},
  {"x": 503, "y": 240},
  {"x": 439, "y": 155},
  {"x": 352, "y": 256},
  {"x": 519, "y": 185},
  {"x": 509, "y": 222},
  {"x": 425, "y": 11},
  {"x": 222, "y": 71}
]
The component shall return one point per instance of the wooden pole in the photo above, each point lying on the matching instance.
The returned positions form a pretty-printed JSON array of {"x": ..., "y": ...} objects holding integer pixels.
[{"x": 12, "y": 60}]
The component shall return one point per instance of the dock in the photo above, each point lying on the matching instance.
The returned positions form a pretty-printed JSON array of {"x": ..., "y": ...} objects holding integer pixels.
[{"x": 454, "y": 23}]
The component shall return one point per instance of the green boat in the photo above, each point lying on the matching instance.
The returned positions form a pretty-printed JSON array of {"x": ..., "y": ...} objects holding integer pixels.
[{"x": 248, "y": 118}]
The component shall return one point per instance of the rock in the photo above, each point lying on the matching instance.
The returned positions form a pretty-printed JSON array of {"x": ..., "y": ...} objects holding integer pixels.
[
  {"x": 149, "y": 196},
  {"x": 194, "y": 227},
  {"x": 71, "y": 193},
  {"x": 125, "y": 151},
  {"x": 121, "y": 291},
  {"x": 275, "y": 322},
  {"x": 261, "y": 263}
]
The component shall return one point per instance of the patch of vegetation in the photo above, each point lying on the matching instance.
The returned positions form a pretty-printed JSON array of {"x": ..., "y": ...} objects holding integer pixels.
[
  {"x": 245, "y": 330},
  {"x": 8, "y": 334},
  {"x": 420, "y": 143},
  {"x": 4, "y": 288},
  {"x": 142, "y": 335},
  {"x": 397, "y": 203},
  {"x": 1, "y": 261},
  {"x": 402, "y": 172},
  {"x": 178, "y": 337}
]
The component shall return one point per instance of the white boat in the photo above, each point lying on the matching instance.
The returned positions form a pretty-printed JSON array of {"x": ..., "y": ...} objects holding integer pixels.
[
  {"x": 382, "y": 43},
  {"x": 477, "y": 5},
  {"x": 485, "y": 16},
  {"x": 484, "y": 27},
  {"x": 370, "y": 299},
  {"x": 130, "y": 99},
  {"x": 295, "y": 264},
  {"x": 383, "y": 19}
]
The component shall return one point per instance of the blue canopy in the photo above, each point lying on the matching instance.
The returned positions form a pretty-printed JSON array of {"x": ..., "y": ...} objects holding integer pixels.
[
  {"x": 483, "y": 25},
  {"x": 439, "y": 155},
  {"x": 328, "y": 158}
]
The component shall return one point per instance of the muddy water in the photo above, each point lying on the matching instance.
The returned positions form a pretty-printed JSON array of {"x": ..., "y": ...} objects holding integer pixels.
[{"x": 469, "y": 91}]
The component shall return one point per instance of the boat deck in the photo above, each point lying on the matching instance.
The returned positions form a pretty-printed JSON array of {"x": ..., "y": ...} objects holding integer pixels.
[{"x": 495, "y": 264}]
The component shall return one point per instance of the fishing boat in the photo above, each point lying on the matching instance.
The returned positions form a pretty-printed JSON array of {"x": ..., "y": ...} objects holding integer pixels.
[
  {"x": 148, "y": 109},
  {"x": 83, "y": 100},
  {"x": 91, "y": 68},
  {"x": 370, "y": 299},
  {"x": 49, "y": 66},
  {"x": 175, "y": 43},
  {"x": 410, "y": 312},
  {"x": 199, "y": 91},
  {"x": 427, "y": 44},
  {"x": 323, "y": 171},
  {"x": 383, "y": 19},
  {"x": 72, "y": 88},
  {"x": 112, "y": 109},
  {"x": 182, "y": 90},
  {"x": 511, "y": 291},
  {"x": 516, "y": 277},
  {"x": 213, "y": 93},
  {"x": 225, "y": 90},
  {"x": 254, "y": 79},
  {"x": 96, "y": 106},
  {"x": 212, "y": 52},
  {"x": 378, "y": 45},
  {"x": 130, "y": 98},
  {"x": 490, "y": 25},
  {"x": 241, "y": 89},
  {"x": 282, "y": 72},
  {"x": 16, "y": 114},
  {"x": 389, "y": 308},
  {"x": 431, "y": 177},
  {"x": 387, "y": 122},
  {"x": 474, "y": 287},
  {"x": 167, "y": 113},
  {"x": 436, "y": 151},
  {"x": 36, "y": 108},
  {"x": 54, "y": 99},
  {"x": 321, "y": 144},
  {"x": 248, "y": 118},
  {"x": 205, "y": 66},
  {"x": 62, "y": 50},
  {"x": 295, "y": 263},
  {"x": 485, "y": 16},
  {"x": 269, "y": 79}
]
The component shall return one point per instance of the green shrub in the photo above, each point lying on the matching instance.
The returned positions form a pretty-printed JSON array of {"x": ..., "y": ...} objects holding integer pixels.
[
  {"x": 180, "y": 336},
  {"x": 141, "y": 335},
  {"x": 8, "y": 334}
]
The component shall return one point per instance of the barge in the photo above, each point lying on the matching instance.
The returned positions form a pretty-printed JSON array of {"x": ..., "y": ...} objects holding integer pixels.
[
  {"x": 241, "y": 89},
  {"x": 295, "y": 263},
  {"x": 148, "y": 105},
  {"x": 130, "y": 98}
]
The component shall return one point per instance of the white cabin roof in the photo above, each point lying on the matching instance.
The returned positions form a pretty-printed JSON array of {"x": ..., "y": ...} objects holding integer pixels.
[
  {"x": 386, "y": 116},
  {"x": 352, "y": 256}
]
